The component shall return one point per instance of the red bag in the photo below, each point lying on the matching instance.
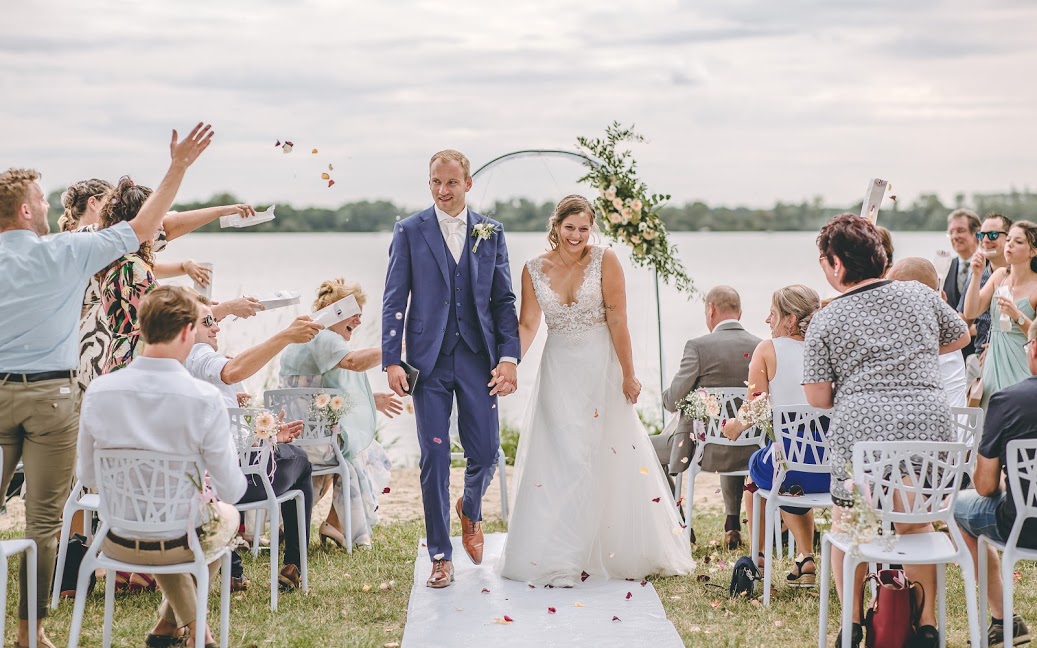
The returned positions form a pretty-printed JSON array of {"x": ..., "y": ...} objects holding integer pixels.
[{"x": 895, "y": 611}]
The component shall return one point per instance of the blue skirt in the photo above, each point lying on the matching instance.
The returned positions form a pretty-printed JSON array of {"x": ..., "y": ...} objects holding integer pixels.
[{"x": 761, "y": 471}]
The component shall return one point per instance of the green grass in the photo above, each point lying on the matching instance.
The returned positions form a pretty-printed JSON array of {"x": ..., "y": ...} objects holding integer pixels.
[{"x": 339, "y": 612}]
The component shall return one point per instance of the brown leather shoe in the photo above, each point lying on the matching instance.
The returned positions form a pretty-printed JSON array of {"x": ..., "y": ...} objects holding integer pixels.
[
  {"x": 471, "y": 536},
  {"x": 442, "y": 574},
  {"x": 733, "y": 539},
  {"x": 289, "y": 579}
]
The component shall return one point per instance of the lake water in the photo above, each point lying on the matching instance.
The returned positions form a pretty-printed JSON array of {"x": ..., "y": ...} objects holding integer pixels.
[{"x": 754, "y": 263}]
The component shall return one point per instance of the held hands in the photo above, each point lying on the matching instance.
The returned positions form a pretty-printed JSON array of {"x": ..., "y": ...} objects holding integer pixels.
[
  {"x": 200, "y": 275},
  {"x": 302, "y": 329},
  {"x": 388, "y": 404},
  {"x": 504, "y": 379},
  {"x": 397, "y": 380},
  {"x": 184, "y": 153},
  {"x": 631, "y": 389}
]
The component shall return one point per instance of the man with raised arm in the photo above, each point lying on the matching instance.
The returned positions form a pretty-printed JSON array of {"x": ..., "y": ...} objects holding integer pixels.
[{"x": 42, "y": 282}]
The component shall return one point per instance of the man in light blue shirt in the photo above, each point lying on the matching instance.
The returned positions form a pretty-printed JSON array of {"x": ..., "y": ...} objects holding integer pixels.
[{"x": 42, "y": 282}]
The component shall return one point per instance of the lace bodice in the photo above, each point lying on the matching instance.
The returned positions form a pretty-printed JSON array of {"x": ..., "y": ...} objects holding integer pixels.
[{"x": 586, "y": 313}]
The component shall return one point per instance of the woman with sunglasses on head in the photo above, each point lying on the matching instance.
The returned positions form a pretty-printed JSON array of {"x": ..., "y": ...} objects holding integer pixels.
[{"x": 1011, "y": 297}]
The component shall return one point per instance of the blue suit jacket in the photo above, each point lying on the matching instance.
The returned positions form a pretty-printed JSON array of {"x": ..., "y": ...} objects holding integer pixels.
[{"x": 417, "y": 292}]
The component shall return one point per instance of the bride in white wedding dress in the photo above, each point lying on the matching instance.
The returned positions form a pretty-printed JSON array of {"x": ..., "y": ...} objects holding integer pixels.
[{"x": 590, "y": 494}]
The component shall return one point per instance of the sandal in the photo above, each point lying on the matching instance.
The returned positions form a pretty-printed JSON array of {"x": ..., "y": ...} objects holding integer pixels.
[
  {"x": 800, "y": 578},
  {"x": 140, "y": 583}
]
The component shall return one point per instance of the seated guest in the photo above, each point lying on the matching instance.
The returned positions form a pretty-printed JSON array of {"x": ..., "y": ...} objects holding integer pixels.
[
  {"x": 776, "y": 368},
  {"x": 720, "y": 359},
  {"x": 38, "y": 345},
  {"x": 154, "y": 404},
  {"x": 990, "y": 509},
  {"x": 329, "y": 361},
  {"x": 952, "y": 365},
  {"x": 887, "y": 244},
  {"x": 291, "y": 465}
]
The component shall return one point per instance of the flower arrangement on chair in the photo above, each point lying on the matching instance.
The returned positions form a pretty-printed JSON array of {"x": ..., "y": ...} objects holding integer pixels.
[
  {"x": 330, "y": 409},
  {"x": 699, "y": 405}
]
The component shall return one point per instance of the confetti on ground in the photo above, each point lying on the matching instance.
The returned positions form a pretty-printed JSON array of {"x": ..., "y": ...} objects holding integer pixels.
[
  {"x": 1017, "y": 576},
  {"x": 779, "y": 623},
  {"x": 702, "y": 578},
  {"x": 366, "y": 587},
  {"x": 715, "y": 604},
  {"x": 391, "y": 644}
]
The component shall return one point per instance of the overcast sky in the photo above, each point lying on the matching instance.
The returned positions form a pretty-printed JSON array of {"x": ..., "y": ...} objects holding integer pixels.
[{"x": 744, "y": 103}]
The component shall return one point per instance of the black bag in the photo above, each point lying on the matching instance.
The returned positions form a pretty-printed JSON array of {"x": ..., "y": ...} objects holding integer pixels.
[
  {"x": 744, "y": 577},
  {"x": 77, "y": 548}
]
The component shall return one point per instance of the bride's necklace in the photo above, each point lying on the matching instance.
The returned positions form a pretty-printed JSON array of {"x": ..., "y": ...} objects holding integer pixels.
[{"x": 577, "y": 262}]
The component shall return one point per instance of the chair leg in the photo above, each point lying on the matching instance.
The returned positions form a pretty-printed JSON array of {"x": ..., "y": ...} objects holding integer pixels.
[
  {"x": 849, "y": 567},
  {"x": 981, "y": 552},
  {"x": 941, "y": 601},
  {"x": 225, "y": 601},
  {"x": 109, "y": 606},
  {"x": 59, "y": 567},
  {"x": 85, "y": 569},
  {"x": 3, "y": 595},
  {"x": 1008, "y": 592},
  {"x": 689, "y": 501},
  {"x": 275, "y": 555},
  {"x": 304, "y": 547},
  {"x": 753, "y": 546},
  {"x": 257, "y": 531},
  {"x": 347, "y": 506},
  {"x": 826, "y": 554},
  {"x": 976, "y": 633},
  {"x": 502, "y": 477},
  {"x": 202, "y": 604},
  {"x": 31, "y": 566},
  {"x": 768, "y": 551}
]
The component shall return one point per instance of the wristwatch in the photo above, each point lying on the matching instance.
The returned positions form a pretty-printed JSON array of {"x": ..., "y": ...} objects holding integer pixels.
[{"x": 1021, "y": 320}]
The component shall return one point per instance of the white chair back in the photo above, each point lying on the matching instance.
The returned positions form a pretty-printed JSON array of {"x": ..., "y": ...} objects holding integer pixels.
[
  {"x": 1022, "y": 480},
  {"x": 297, "y": 406},
  {"x": 968, "y": 429},
  {"x": 730, "y": 399},
  {"x": 801, "y": 439},
  {"x": 153, "y": 492},
  {"x": 253, "y": 454},
  {"x": 920, "y": 478}
]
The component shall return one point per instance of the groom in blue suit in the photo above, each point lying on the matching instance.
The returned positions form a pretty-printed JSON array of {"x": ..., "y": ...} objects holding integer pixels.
[{"x": 449, "y": 287}]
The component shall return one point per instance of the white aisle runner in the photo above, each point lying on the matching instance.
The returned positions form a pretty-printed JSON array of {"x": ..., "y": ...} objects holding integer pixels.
[{"x": 465, "y": 615}]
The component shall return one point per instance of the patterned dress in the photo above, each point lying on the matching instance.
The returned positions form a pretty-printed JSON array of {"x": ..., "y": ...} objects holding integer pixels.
[
  {"x": 879, "y": 347},
  {"x": 122, "y": 290}
]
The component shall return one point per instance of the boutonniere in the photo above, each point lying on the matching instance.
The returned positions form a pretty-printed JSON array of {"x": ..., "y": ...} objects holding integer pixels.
[{"x": 481, "y": 232}]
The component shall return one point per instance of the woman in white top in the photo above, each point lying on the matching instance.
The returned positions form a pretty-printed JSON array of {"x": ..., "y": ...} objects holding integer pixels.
[{"x": 776, "y": 369}]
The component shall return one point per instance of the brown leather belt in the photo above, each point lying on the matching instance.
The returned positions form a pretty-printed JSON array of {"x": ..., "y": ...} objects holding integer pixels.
[
  {"x": 150, "y": 545},
  {"x": 37, "y": 376}
]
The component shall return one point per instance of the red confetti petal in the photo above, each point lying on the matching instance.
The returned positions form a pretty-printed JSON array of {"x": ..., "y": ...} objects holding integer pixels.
[
  {"x": 746, "y": 355},
  {"x": 485, "y": 591},
  {"x": 437, "y": 440},
  {"x": 893, "y": 197},
  {"x": 508, "y": 619},
  {"x": 531, "y": 586},
  {"x": 331, "y": 183},
  {"x": 630, "y": 595},
  {"x": 643, "y": 583},
  {"x": 551, "y": 610},
  {"x": 278, "y": 143},
  {"x": 715, "y": 604},
  {"x": 584, "y": 576},
  {"x": 616, "y": 618},
  {"x": 385, "y": 491},
  {"x": 680, "y": 501},
  {"x": 656, "y": 499},
  {"x": 288, "y": 143}
]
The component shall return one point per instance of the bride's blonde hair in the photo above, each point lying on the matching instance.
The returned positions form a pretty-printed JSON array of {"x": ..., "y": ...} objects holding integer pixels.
[{"x": 569, "y": 206}]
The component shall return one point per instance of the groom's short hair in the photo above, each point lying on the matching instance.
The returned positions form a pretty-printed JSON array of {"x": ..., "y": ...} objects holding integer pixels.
[{"x": 448, "y": 155}]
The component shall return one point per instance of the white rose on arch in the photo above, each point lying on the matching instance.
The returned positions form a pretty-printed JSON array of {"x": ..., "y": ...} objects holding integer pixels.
[
  {"x": 615, "y": 218},
  {"x": 617, "y": 203},
  {"x": 649, "y": 235},
  {"x": 636, "y": 205},
  {"x": 610, "y": 193},
  {"x": 626, "y": 214}
]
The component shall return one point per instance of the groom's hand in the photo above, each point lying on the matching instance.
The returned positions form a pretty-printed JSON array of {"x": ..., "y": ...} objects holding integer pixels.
[
  {"x": 505, "y": 379},
  {"x": 398, "y": 380}
]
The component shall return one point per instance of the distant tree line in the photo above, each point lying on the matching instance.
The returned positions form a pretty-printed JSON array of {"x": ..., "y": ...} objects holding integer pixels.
[{"x": 927, "y": 212}]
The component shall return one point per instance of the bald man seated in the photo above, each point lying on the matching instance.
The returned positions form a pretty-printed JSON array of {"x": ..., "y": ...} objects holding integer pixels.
[{"x": 952, "y": 365}]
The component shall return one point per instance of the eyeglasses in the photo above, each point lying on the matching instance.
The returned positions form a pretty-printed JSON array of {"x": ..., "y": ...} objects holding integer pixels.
[
  {"x": 990, "y": 235},
  {"x": 1026, "y": 345},
  {"x": 209, "y": 321}
]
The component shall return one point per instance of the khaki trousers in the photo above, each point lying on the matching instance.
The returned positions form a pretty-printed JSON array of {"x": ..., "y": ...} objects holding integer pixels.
[
  {"x": 179, "y": 592},
  {"x": 39, "y": 425}
]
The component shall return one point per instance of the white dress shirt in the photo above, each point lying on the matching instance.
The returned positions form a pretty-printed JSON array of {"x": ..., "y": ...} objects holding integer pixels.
[
  {"x": 205, "y": 363},
  {"x": 154, "y": 404}
]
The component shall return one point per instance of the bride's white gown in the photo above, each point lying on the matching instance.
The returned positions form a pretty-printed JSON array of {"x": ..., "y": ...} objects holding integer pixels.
[{"x": 590, "y": 494}]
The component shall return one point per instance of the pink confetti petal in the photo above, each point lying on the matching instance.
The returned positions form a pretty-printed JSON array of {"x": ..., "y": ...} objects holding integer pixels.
[
  {"x": 485, "y": 591},
  {"x": 277, "y": 144},
  {"x": 656, "y": 499},
  {"x": 584, "y": 576},
  {"x": 643, "y": 583},
  {"x": 551, "y": 610},
  {"x": 386, "y": 490},
  {"x": 331, "y": 183},
  {"x": 438, "y": 440},
  {"x": 630, "y": 595},
  {"x": 508, "y": 619},
  {"x": 616, "y": 618}
]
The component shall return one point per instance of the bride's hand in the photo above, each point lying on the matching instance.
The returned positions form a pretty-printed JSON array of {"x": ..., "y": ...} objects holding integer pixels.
[{"x": 631, "y": 389}]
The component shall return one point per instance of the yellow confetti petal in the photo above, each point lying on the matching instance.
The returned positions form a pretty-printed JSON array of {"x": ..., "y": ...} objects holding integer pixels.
[
  {"x": 314, "y": 151},
  {"x": 644, "y": 471},
  {"x": 366, "y": 587},
  {"x": 325, "y": 176},
  {"x": 578, "y": 604}
]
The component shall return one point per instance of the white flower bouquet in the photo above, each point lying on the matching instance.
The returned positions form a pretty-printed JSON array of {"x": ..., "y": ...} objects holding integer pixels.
[
  {"x": 699, "y": 405},
  {"x": 757, "y": 411},
  {"x": 330, "y": 409}
]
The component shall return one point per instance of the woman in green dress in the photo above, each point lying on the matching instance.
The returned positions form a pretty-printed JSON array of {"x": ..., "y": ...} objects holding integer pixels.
[
  {"x": 328, "y": 361},
  {"x": 1011, "y": 296}
]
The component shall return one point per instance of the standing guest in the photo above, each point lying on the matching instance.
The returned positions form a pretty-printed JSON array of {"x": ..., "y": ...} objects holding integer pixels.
[
  {"x": 992, "y": 237},
  {"x": 329, "y": 361},
  {"x": 125, "y": 282},
  {"x": 185, "y": 417},
  {"x": 776, "y": 369},
  {"x": 852, "y": 350},
  {"x": 1011, "y": 297},
  {"x": 952, "y": 365},
  {"x": 38, "y": 344},
  {"x": 962, "y": 225},
  {"x": 990, "y": 509},
  {"x": 291, "y": 470},
  {"x": 719, "y": 359}
]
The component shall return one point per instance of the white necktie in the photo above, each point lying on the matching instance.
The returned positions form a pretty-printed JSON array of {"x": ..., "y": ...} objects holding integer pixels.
[{"x": 452, "y": 231}]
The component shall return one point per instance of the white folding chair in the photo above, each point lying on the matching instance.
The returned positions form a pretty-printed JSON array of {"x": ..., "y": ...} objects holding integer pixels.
[
  {"x": 153, "y": 493},
  {"x": 801, "y": 445},
  {"x": 730, "y": 399},
  {"x": 255, "y": 457},
  {"x": 921, "y": 479},
  {"x": 1022, "y": 480},
  {"x": 10, "y": 548},
  {"x": 78, "y": 500},
  {"x": 968, "y": 429},
  {"x": 316, "y": 434},
  {"x": 457, "y": 452}
]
